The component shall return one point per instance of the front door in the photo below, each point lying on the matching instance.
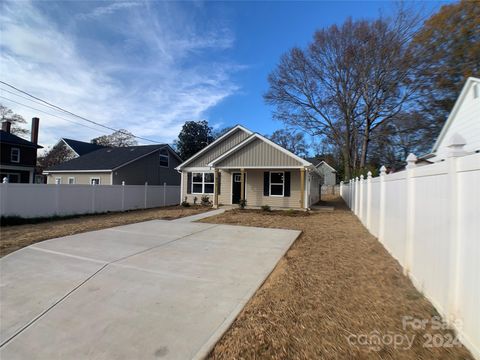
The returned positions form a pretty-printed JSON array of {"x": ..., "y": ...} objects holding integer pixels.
[{"x": 237, "y": 187}]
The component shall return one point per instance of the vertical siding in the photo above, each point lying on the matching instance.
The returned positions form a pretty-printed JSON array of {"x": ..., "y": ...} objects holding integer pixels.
[
  {"x": 258, "y": 153},
  {"x": 226, "y": 144},
  {"x": 254, "y": 191}
]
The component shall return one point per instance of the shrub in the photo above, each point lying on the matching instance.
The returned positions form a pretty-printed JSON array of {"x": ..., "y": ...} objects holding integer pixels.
[
  {"x": 242, "y": 204},
  {"x": 205, "y": 201},
  {"x": 195, "y": 199},
  {"x": 185, "y": 203},
  {"x": 266, "y": 208}
]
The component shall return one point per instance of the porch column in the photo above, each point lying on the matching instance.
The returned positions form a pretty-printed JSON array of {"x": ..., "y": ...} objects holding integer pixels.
[
  {"x": 242, "y": 184},
  {"x": 215, "y": 196},
  {"x": 302, "y": 188}
]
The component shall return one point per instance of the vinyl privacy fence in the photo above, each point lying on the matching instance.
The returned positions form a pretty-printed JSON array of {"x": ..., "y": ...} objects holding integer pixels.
[
  {"x": 42, "y": 200},
  {"x": 428, "y": 218}
]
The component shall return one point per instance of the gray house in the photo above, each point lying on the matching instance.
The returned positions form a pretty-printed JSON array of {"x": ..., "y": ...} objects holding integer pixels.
[
  {"x": 134, "y": 165},
  {"x": 242, "y": 165}
]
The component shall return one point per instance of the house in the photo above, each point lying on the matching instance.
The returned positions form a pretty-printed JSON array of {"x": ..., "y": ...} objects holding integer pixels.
[
  {"x": 243, "y": 165},
  {"x": 132, "y": 165},
  {"x": 328, "y": 173},
  {"x": 76, "y": 148},
  {"x": 18, "y": 156},
  {"x": 463, "y": 122}
]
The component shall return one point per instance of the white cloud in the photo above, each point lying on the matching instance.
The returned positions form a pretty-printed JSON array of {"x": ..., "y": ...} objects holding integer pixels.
[{"x": 147, "y": 69}]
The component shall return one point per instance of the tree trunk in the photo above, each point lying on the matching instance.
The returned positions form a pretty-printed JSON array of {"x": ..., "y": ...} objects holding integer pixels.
[{"x": 365, "y": 140}]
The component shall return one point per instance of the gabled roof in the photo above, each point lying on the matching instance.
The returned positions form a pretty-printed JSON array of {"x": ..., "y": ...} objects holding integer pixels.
[
  {"x": 81, "y": 147},
  {"x": 323, "y": 162},
  {"x": 211, "y": 145},
  {"x": 470, "y": 81},
  {"x": 108, "y": 159},
  {"x": 9, "y": 138},
  {"x": 252, "y": 137}
]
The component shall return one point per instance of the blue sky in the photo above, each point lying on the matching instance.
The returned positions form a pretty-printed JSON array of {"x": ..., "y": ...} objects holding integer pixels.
[{"x": 150, "y": 66}]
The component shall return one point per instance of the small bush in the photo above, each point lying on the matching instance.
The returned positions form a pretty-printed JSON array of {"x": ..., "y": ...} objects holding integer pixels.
[
  {"x": 242, "y": 204},
  {"x": 266, "y": 208},
  {"x": 185, "y": 203},
  {"x": 195, "y": 199},
  {"x": 205, "y": 201}
]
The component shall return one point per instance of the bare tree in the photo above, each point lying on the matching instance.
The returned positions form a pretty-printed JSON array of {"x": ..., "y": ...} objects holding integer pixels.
[
  {"x": 291, "y": 140},
  {"x": 55, "y": 155},
  {"x": 317, "y": 90},
  {"x": 120, "y": 138},
  {"x": 17, "y": 121}
]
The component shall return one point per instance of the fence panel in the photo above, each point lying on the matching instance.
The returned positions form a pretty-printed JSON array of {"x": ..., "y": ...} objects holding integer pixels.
[
  {"x": 429, "y": 223},
  {"x": 42, "y": 200}
]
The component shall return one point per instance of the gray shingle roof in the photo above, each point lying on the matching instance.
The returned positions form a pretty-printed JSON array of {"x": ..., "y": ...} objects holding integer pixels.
[
  {"x": 106, "y": 158},
  {"x": 81, "y": 147},
  {"x": 9, "y": 138}
]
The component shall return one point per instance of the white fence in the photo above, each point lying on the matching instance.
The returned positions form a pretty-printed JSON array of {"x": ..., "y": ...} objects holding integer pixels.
[
  {"x": 428, "y": 218},
  {"x": 41, "y": 200}
]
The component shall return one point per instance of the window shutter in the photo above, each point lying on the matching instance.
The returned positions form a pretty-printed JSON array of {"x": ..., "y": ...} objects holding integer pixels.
[
  {"x": 287, "y": 184},
  {"x": 266, "y": 183},
  {"x": 219, "y": 182},
  {"x": 189, "y": 183}
]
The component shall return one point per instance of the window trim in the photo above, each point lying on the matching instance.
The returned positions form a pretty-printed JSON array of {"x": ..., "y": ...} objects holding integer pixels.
[
  {"x": 270, "y": 184},
  {"x": 164, "y": 156},
  {"x": 95, "y": 178},
  {"x": 69, "y": 178},
  {"x": 59, "y": 178},
  {"x": 203, "y": 183},
  {"x": 18, "y": 155}
]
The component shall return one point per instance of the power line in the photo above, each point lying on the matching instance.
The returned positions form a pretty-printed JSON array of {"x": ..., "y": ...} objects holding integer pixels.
[
  {"x": 73, "y": 114},
  {"x": 62, "y": 118}
]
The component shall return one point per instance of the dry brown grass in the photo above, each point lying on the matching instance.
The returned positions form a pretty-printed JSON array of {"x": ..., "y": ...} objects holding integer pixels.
[
  {"x": 336, "y": 280},
  {"x": 18, "y": 236}
]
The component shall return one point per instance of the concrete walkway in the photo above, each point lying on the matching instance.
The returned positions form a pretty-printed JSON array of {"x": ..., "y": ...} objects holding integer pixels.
[{"x": 157, "y": 289}]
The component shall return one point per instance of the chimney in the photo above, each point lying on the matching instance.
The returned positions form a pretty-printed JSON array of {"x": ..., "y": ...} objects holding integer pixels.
[
  {"x": 6, "y": 125},
  {"x": 34, "y": 132}
]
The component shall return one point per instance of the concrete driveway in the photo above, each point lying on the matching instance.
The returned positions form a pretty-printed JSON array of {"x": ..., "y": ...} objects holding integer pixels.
[{"x": 157, "y": 289}]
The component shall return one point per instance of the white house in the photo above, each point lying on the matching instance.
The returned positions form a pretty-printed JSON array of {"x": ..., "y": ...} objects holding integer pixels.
[{"x": 463, "y": 122}]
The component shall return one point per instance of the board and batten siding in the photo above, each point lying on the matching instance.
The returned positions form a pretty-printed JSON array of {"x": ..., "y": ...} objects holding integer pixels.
[
  {"x": 225, "y": 196},
  {"x": 81, "y": 178},
  {"x": 253, "y": 190},
  {"x": 223, "y": 146},
  {"x": 258, "y": 153}
]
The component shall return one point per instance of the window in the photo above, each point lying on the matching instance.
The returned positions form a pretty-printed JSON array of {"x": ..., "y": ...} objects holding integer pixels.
[
  {"x": 95, "y": 181},
  {"x": 15, "y": 155},
  {"x": 164, "y": 158},
  {"x": 58, "y": 180},
  {"x": 203, "y": 183},
  {"x": 277, "y": 183},
  {"x": 71, "y": 180},
  {"x": 237, "y": 178}
]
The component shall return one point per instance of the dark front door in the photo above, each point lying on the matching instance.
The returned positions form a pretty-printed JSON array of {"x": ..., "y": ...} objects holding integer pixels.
[{"x": 237, "y": 187}]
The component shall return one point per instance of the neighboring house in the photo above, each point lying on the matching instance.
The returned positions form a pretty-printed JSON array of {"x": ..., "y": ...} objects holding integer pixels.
[
  {"x": 329, "y": 174},
  {"x": 77, "y": 148},
  {"x": 134, "y": 165},
  {"x": 18, "y": 156},
  {"x": 463, "y": 121},
  {"x": 245, "y": 165}
]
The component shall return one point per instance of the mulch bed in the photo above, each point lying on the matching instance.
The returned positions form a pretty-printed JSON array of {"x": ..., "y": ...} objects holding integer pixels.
[
  {"x": 336, "y": 282},
  {"x": 18, "y": 236}
]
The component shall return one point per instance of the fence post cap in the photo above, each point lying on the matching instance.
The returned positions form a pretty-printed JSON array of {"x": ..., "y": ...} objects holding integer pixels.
[
  {"x": 369, "y": 175},
  {"x": 123, "y": 183},
  {"x": 357, "y": 179},
  {"x": 5, "y": 180},
  {"x": 455, "y": 145},
  {"x": 383, "y": 170},
  {"x": 361, "y": 177},
  {"x": 411, "y": 160}
]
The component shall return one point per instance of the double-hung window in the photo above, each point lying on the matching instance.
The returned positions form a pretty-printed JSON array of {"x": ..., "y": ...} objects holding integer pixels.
[
  {"x": 164, "y": 158},
  {"x": 15, "y": 155},
  {"x": 94, "y": 181},
  {"x": 203, "y": 183},
  {"x": 277, "y": 183}
]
